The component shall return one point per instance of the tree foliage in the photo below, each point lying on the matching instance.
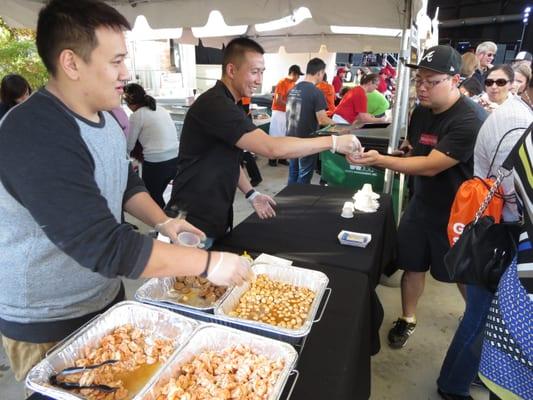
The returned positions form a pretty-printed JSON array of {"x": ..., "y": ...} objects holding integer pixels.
[{"x": 18, "y": 55}]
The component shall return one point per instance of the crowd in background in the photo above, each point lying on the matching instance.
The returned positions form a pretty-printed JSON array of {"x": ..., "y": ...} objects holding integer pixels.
[{"x": 457, "y": 130}]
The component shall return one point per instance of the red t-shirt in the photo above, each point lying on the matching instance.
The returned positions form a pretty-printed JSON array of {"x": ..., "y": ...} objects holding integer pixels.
[
  {"x": 337, "y": 83},
  {"x": 382, "y": 86},
  {"x": 280, "y": 94},
  {"x": 353, "y": 103}
]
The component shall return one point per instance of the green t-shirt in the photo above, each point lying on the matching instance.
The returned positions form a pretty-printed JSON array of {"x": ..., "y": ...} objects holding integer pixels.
[{"x": 377, "y": 103}]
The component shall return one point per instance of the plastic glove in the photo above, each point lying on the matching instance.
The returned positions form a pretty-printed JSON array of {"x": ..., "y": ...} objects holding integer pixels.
[
  {"x": 346, "y": 144},
  {"x": 227, "y": 269},
  {"x": 172, "y": 227},
  {"x": 263, "y": 205}
]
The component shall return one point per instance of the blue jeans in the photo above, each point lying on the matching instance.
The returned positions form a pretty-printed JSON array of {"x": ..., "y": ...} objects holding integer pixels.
[
  {"x": 301, "y": 169},
  {"x": 461, "y": 364}
]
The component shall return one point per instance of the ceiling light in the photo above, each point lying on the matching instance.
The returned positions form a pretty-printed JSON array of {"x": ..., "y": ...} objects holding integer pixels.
[
  {"x": 142, "y": 31},
  {"x": 363, "y": 30},
  {"x": 216, "y": 27}
]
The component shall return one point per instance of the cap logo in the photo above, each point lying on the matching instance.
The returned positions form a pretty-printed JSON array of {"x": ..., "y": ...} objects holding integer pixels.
[
  {"x": 452, "y": 69},
  {"x": 428, "y": 56}
]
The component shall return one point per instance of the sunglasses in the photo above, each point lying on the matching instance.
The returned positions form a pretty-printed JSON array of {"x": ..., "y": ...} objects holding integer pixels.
[{"x": 499, "y": 82}]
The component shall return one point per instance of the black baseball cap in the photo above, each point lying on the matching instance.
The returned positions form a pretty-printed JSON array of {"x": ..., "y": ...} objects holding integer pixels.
[
  {"x": 524, "y": 56},
  {"x": 443, "y": 59},
  {"x": 295, "y": 69}
]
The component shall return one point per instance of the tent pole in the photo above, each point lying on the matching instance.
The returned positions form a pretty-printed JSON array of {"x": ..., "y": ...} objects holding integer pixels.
[{"x": 399, "y": 113}]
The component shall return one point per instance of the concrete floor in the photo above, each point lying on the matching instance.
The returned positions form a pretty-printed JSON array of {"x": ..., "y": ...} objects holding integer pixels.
[{"x": 406, "y": 374}]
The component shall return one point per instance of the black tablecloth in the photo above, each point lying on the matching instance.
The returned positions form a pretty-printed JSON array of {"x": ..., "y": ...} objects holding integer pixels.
[
  {"x": 306, "y": 227},
  {"x": 335, "y": 362}
]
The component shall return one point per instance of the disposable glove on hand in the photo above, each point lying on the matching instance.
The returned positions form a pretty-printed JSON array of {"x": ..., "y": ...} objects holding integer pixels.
[
  {"x": 346, "y": 144},
  {"x": 227, "y": 269},
  {"x": 263, "y": 205},
  {"x": 172, "y": 227}
]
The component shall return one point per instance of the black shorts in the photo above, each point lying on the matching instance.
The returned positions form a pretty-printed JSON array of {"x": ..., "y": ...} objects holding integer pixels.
[{"x": 422, "y": 247}]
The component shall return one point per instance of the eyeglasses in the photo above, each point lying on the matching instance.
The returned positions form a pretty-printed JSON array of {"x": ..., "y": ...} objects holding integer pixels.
[
  {"x": 490, "y": 54},
  {"x": 499, "y": 82},
  {"x": 427, "y": 83}
]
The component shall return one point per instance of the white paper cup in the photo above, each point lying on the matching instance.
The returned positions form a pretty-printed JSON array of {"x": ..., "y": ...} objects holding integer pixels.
[
  {"x": 188, "y": 239},
  {"x": 347, "y": 212},
  {"x": 348, "y": 205}
]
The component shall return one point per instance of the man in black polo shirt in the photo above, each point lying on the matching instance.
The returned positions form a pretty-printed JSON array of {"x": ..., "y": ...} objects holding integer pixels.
[
  {"x": 215, "y": 132},
  {"x": 442, "y": 133}
]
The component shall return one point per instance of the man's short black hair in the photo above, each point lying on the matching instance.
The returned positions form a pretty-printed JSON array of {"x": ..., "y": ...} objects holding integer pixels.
[
  {"x": 472, "y": 86},
  {"x": 314, "y": 66},
  {"x": 67, "y": 24},
  {"x": 235, "y": 50}
]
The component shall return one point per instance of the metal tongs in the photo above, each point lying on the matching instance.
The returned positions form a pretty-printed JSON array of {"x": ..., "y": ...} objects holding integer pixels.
[{"x": 75, "y": 385}]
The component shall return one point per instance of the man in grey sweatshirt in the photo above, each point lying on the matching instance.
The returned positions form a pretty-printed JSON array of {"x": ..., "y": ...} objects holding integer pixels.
[{"x": 64, "y": 182}]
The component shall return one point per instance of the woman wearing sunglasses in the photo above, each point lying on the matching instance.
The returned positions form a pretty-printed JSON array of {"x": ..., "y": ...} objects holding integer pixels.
[{"x": 498, "y": 86}]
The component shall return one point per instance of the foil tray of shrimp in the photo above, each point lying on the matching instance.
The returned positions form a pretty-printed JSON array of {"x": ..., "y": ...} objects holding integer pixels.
[
  {"x": 220, "y": 362},
  {"x": 182, "y": 293},
  {"x": 142, "y": 329},
  {"x": 293, "y": 278}
]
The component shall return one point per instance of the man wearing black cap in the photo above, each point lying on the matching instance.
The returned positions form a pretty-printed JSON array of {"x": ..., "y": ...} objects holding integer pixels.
[
  {"x": 523, "y": 57},
  {"x": 278, "y": 122},
  {"x": 441, "y": 137}
]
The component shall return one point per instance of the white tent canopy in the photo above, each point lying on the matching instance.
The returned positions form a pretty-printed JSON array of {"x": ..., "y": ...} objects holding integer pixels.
[{"x": 308, "y": 36}]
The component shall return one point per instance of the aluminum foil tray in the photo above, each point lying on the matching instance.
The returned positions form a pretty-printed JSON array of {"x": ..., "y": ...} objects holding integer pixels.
[
  {"x": 215, "y": 337},
  {"x": 156, "y": 322},
  {"x": 155, "y": 291},
  {"x": 314, "y": 280}
]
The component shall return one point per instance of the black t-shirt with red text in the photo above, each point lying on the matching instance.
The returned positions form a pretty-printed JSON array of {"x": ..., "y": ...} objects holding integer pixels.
[{"x": 454, "y": 134}]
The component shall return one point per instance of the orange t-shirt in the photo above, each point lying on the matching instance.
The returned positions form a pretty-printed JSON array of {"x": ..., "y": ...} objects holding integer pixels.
[
  {"x": 279, "y": 100},
  {"x": 329, "y": 94}
]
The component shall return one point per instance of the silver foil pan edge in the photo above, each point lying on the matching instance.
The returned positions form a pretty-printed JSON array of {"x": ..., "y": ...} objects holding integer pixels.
[
  {"x": 155, "y": 291},
  {"x": 216, "y": 337},
  {"x": 315, "y": 280},
  {"x": 155, "y": 322}
]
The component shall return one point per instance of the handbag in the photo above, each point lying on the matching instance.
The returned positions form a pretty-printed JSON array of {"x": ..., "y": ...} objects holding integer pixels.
[
  {"x": 469, "y": 196},
  {"x": 485, "y": 248}
]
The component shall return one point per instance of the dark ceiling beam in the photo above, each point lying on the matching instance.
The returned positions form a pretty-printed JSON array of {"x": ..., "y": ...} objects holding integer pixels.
[{"x": 497, "y": 19}]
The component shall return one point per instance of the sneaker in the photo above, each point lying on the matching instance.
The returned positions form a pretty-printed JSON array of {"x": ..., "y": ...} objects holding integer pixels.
[
  {"x": 450, "y": 396},
  {"x": 400, "y": 333}
]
